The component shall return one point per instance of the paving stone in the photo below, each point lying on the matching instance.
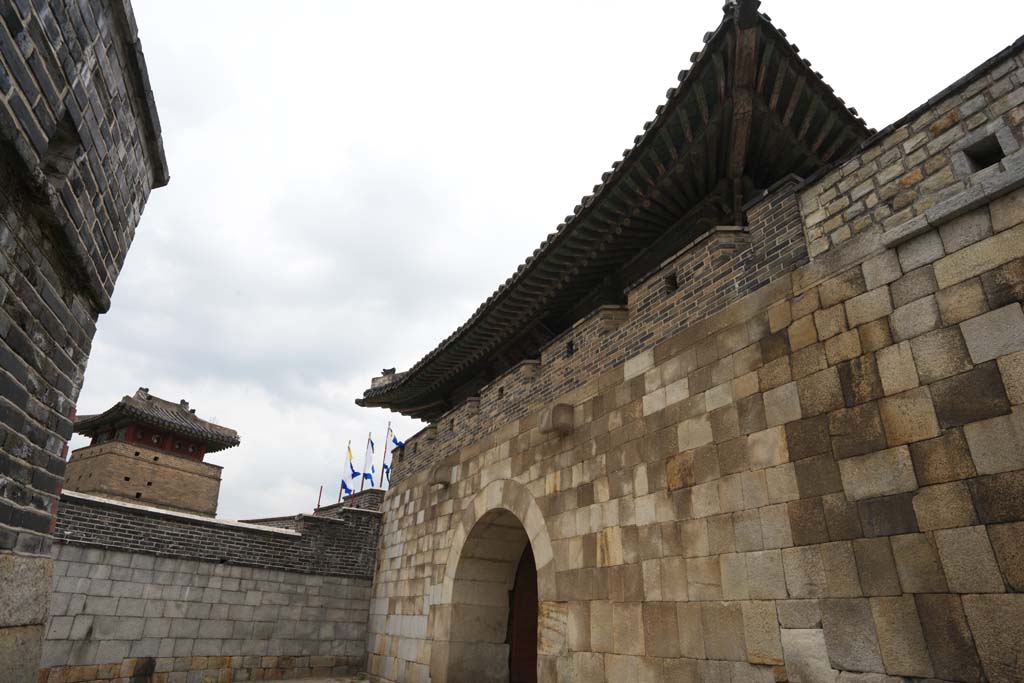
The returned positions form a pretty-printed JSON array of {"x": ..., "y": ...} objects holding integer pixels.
[
  {"x": 900, "y": 636},
  {"x": 850, "y": 634},
  {"x": 998, "y": 497},
  {"x": 896, "y": 368},
  {"x": 997, "y": 444},
  {"x": 868, "y": 306},
  {"x": 908, "y": 417},
  {"x": 856, "y": 431},
  {"x": 881, "y": 473},
  {"x": 913, "y": 286},
  {"x": 968, "y": 560},
  {"x": 723, "y": 624},
  {"x": 993, "y": 334},
  {"x": 1011, "y": 368},
  {"x": 876, "y": 566},
  {"x": 917, "y": 563},
  {"x": 997, "y": 623},
  {"x": 948, "y": 637},
  {"x": 761, "y": 633},
  {"x": 888, "y": 515}
]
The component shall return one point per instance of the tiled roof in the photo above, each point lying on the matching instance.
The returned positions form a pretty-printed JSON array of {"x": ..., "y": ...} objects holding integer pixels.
[
  {"x": 156, "y": 412},
  {"x": 748, "y": 110}
]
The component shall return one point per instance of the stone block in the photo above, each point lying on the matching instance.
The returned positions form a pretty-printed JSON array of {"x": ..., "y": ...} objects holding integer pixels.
[
  {"x": 945, "y": 458},
  {"x": 804, "y": 572},
  {"x": 661, "y": 629},
  {"x": 775, "y": 373},
  {"x": 842, "y": 347},
  {"x": 1008, "y": 545},
  {"x": 948, "y": 637},
  {"x": 900, "y": 636},
  {"x": 781, "y": 483},
  {"x": 841, "y": 517},
  {"x": 695, "y": 432},
  {"x": 961, "y": 301},
  {"x": 994, "y": 334},
  {"x": 1012, "y": 369},
  {"x": 20, "y": 652},
  {"x": 830, "y": 321},
  {"x": 747, "y": 526},
  {"x": 775, "y": 529},
  {"x": 767, "y": 448},
  {"x": 673, "y": 579},
  {"x": 944, "y": 506},
  {"x": 914, "y": 319},
  {"x": 896, "y": 368},
  {"x": 856, "y": 431},
  {"x": 980, "y": 257},
  {"x": 805, "y": 303},
  {"x": 997, "y": 623},
  {"x": 1005, "y": 284},
  {"x": 779, "y": 316},
  {"x": 917, "y": 563},
  {"x": 888, "y": 515},
  {"x": 875, "y": 335},
  {"x": 799, "y": 613},
  {"x": 765, "y": 576},
  {"x": 735, "y": 585},
  {"x": 27, "y": 583},
  {"x": 802, "y": 333},
  {"x": 807, "y": 521},
  {"x": 806, "y": 656},
  {"x": 808, "y": 437},
  {"x": 965, "y": 230},
  {"x": 868, "y": 306},
  {"x": 860, "y": 380},
  {"x": 970, "y": 396},
  {"x": 679, "y": 471},
  {"x": 781, "y": 405},
  {"x": 704, "y": 578},
  {"x": 850, "y": 634},
  {"x": 817, "y": 476},
  {"x": 723, "y": 625},
  {"x": 909, "y": 417},
  {"x": 1007, "y": 211},
  {"x": 940, "y": 354},
  {"x": 601, "y": 639},
  {"x": 691, "y": 630},
  {"x": 558, "y": 418},
  {"x": 998, "y": 497},
  {"x": 968, "y": 561},
  {"x": 997, "y": 444},
  {"x": 876, "y": 566},
  {"x": 820, "y": 393},
  {"x": 877, "y": 474},
  {"x": 840, "y": 570},
  {"x": 761, "y": 633},
  {"x": 913, "y": 286},
  {"x": 881, "y": 269},
  {"x": 724, "y": 423},
  {"x": 921, "y": 250}
]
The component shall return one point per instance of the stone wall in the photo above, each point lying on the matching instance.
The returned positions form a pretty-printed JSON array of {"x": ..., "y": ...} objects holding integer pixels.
[
  {"x": 117, "y": 469},
  {"x": 79, "y": 152},
  {"x": 822, "y": 478},
  {"x": 139, "y": 591}
]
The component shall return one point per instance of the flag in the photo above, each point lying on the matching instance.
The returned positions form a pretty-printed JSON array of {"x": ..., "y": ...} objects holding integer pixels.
[
  {"x": 345, "y": 488},
  {"x": 387, "y": 473},
  {"x": 351, "y": 466},
  {"x": 368, "y": 470}
]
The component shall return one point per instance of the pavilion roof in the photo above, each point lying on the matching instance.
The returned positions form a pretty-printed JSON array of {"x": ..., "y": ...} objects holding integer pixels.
[
  {"x": 176, "y": 418},
  {"x": 748, "y": 112}
]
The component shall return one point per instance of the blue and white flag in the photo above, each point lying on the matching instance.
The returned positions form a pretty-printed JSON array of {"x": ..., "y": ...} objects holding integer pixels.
[
  {"x": 345, "y": 488},
  {"x": 368, "y": 469}
]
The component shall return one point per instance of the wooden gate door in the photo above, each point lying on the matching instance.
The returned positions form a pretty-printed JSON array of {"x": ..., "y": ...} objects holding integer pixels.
[{"x": 523, "y": 622}]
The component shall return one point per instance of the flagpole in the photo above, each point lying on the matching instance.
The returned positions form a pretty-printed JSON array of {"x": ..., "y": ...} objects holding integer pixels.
[
  {"x": 319, "y": 496},
  {"x": 362, "y": 479},
  {"x": 342, "y": 485},
  {"x": 387, "y": 449}
]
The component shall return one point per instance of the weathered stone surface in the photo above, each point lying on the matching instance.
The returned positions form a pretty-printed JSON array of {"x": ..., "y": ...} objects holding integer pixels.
[
  {"x": 912, "y": 286},
  {"x": 945, "y": 458},
  {"x": 968, "y": 561},
  {"x": 878, "y": 474},
  {"x": 860, "y": 379},
  {"x": 876, "y": 567},
  {"x": 781, "y": 405},
  {"x": 909, "y": 417},
  {"x": 961, "y": 301},
  {"x": 817, "y": 476},
  {"x": 868, "y": 306},
  {"x": 944, "y": 506},
  {"x": 20, "y": 649},
  {"x": 999, "y": 497},
  {"x": 805, "y": 572},
  {"x": 661, "y": 629},
  {"x": 940, "y": 354},
  {"x": 900, "y": 637},
  {"x": 1012, "y": 369},
  {"x": 996, "y": 333},
  {"x": 799, "y": 613},
  {"x": 919, "y": 251},
  {"x": 1005, "y": 284},
  {"x": 970, "y": 396},
  {"x": 1008, "y": 544},
  {"x": 27, "y": 582},
  {"x": 820, "y": 393},
  {"x": 948, "y": 637},
  {"x": 765, "y": 575},
  {"x": 761, "y": 633},
  {"x": 917, "y": 563},
  {"x": 627, "y": 628},
  {"x": 881, "y": 269},
  {"x": 997, "y": 623},
  {"x": 888, "y": 515},
  {"x": 723, "y": 628},
  {"x": 997, "y": 444},
  {"x": 916, "y": 318},
  {"x": 856, "y": 431},
  {"x": 850, "y": 635},
  {"x": 896, "y": 368},
  {"x": 806, "y": 656}
]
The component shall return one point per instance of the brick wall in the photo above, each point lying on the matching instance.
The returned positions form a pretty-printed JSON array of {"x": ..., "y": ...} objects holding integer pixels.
[
  {"x": 821, "y": 481},
  {"x": 139, "y": 591},
  {"x": 116, "y": 615},
  {"x": 343, "y": 546},
  {"x": 79, "y": 152},
  {"x": 138, "y": 474}
]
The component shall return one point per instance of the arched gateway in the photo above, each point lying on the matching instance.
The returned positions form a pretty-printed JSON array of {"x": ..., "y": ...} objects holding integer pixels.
[{"x": 498, "y": 578}]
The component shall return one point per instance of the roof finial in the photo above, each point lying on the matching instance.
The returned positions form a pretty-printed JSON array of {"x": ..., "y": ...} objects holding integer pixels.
[{"x": 745, "y": 11}]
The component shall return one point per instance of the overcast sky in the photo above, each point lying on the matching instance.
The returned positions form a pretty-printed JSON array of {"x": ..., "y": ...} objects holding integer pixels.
[{"x": 349, "y": 180}]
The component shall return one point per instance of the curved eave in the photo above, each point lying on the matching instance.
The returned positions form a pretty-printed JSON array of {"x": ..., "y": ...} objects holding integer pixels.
[
  {"x": 89, "y": 425},
  {"x": 679, "y": 162}
]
